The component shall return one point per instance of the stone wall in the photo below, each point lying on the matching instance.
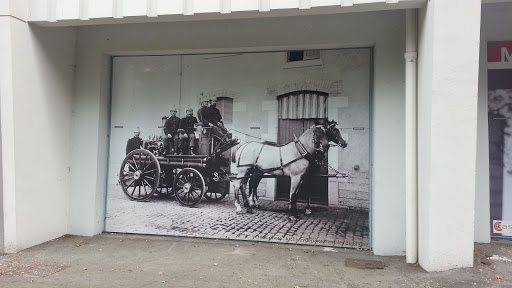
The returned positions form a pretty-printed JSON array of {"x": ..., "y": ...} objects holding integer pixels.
[{"x": 354, "y": 191}]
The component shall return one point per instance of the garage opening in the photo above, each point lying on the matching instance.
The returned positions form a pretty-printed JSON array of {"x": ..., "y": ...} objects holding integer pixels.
[{"x": 185, "y": 115}]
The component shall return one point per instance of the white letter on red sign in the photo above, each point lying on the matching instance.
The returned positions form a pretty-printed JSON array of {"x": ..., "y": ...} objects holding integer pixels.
[{"x": 505, "y": 57}]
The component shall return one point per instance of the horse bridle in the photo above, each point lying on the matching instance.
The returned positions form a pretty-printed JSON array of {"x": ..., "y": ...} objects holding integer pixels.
[
  {"x": 327, "y": 130},
  {"x": 337, "y": 140}
]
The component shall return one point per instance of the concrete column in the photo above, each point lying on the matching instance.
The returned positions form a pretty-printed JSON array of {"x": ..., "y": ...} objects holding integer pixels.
[
  {"x": 449, "y": 38},
  {"x": 411, "y": 135},
  {"x": 482, "y": 193},
  {"x": 8, "y": 233}
]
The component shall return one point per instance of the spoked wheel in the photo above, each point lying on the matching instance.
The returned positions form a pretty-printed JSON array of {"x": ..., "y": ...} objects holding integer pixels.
[
  {"x": 217, "y": 191},
  {"x": 189, "y": 186},
  {"x": 139, "y": 175}
]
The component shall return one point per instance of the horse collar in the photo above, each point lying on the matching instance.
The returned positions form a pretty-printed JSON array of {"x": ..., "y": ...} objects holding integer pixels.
[{"x": 304, "y": 151}]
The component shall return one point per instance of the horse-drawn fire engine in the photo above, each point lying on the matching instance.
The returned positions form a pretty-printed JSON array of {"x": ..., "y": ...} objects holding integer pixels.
[{"x": 145, "y": 172}]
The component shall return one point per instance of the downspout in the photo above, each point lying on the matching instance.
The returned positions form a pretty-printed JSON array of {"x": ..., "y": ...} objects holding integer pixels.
[{"x": 411, "y": 135}]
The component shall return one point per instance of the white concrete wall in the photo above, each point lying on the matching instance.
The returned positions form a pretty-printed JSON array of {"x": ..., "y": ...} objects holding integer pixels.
[
  {"x": 36, "y": 107},
  {"x": 447, "y": 125},
  {"x": 2, "y": 226},
  {"x": 91, "y": 103},
  {"x": 496, "y": 23},
  {"x": 19, "y": 9},
  {"x": 6, "y": 132},
  {"x": 93, "y": 12},
  {"x": 5, "y": 8},
  {"x": 15, "y": 8},
  {"x": 482, "y": 197}
]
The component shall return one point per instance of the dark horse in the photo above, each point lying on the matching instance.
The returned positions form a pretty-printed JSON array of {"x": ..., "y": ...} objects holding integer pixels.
[{"x": 254, "y": 159}]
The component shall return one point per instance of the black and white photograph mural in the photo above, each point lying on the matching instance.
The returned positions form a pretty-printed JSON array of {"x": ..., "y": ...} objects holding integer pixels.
[{"x": 270, "y": 147}]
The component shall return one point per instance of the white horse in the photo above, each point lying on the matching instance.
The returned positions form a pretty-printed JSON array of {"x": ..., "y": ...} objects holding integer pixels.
[{"x": 253, "y": 160}]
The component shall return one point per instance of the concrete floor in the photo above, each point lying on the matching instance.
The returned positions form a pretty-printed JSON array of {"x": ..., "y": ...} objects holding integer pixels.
[{"x": 121, "y": 260}]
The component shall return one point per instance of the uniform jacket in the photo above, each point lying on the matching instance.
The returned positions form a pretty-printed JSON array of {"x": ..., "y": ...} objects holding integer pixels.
[
  {"x": 133, "y": 143},
  {"x": 214, "y": 115},
  {"x": 187, "y": 124},
  {"x": 203, "y": 115},
  {"x": 171, "y": 125}
]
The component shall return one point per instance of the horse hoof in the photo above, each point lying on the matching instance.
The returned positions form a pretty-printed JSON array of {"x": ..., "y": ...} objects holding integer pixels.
[
  {"x": 239, "y": 212},
  {"x": 250, "y": 211},
  {"x": 308, "y": 212}
]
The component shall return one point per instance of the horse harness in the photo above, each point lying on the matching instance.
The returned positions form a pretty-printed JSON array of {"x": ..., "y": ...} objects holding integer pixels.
[{"x": 304, "y": 154}]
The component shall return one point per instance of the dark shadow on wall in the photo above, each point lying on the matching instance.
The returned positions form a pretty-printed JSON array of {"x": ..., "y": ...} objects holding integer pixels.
[{"x": 496, "y": 145}]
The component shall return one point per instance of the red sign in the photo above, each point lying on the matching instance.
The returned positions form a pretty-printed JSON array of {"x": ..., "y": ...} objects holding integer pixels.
[{"x": 499, "y": 52}]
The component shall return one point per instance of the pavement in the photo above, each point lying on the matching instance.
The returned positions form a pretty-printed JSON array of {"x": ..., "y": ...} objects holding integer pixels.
[
  {"x": 124, "y": 260},
  {"x": 327, "y": 226}
]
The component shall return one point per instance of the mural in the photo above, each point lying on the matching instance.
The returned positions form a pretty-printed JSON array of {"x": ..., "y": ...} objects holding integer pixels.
[
  {"x": 500, "y": 103},
  {"x": 257, "y": 146},
  {"x": 500, "y": 140}
]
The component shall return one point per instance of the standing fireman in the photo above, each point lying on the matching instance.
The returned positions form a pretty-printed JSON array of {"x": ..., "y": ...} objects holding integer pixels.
[
  {"x": 135, "y": 142},
  {"x": 171, "y": 127},
  {"x": 187, "y": 138}
]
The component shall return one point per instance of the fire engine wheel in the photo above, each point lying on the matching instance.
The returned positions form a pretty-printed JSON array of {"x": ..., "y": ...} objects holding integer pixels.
[
  {"x": 139, "y": 175},
  {"x": 188, "y": 187},
  {"x": 217, "y": 191}
]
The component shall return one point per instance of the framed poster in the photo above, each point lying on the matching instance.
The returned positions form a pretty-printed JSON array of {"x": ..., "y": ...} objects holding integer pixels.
[{"x": 190, "y": 132}]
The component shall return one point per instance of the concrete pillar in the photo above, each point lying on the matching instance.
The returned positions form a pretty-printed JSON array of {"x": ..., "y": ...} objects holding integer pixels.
[
  {"x": 36, "y": 82},
  {"x": 448, "y": 65},
  {"x": 9, "y": 233},
  {"x": 482, "y": 193}
]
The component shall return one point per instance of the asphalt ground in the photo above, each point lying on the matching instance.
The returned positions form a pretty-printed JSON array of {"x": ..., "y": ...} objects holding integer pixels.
[{"x": 123, "y": 260}]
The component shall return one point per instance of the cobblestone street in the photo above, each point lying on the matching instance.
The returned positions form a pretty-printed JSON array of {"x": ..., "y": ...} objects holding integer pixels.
[{"x": 327, "y": 226}]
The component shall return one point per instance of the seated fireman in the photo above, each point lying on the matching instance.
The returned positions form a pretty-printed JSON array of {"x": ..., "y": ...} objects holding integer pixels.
[
  {"x": 210, "y": 116},
  {"x": 202, "y": 113},
  {"x": 187, "y": 138},
  {"x": 171, "y": 127}
]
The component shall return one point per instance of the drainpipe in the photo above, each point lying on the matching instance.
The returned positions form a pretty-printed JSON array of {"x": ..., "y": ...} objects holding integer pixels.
[{"x": 411, "y": 136}]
